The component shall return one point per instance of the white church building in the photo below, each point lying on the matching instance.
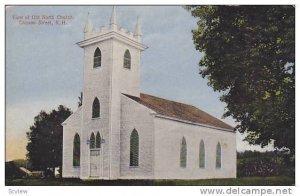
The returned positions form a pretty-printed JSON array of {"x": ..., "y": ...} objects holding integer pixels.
[{"x": 121, "y": 133}]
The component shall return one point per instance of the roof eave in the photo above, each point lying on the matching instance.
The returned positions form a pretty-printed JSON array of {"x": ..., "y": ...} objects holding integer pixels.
[
  {"x": 193, "y": 123},
  {"x": 65, "y": 121},
  {"x": 112, "y": 35}
]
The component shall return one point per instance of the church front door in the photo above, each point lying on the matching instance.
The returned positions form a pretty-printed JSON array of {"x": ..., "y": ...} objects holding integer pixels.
[{"x": 94, "y": 162}]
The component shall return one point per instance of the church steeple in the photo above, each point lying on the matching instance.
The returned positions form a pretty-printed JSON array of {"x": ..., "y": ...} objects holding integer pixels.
[
  {"x": 137, "y": 32},
  {"x": 89, "y": 25},
  {"x": 112, "y": 64},
  {"x": 113, "y": 19}
]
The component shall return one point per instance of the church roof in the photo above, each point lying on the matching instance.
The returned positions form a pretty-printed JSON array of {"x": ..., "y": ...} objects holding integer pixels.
[{"x": 178, "y": 110}]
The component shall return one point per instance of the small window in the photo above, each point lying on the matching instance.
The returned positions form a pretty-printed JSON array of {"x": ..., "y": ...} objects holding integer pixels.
[
  {"x": 92, "y": 141},
  {"x": 202, "y": 155},
  {"x": 76, "y": 150},
  {"x": 98, "y": 140},
  {"x": 134, "y": 148},
  {"x": 96, "y": 108},
  {"x": 218, "y": 156},
  {"x": 97, "y": 58},
  {"x": 183, "y": 151},
  {"x": 127, "y": 60}
]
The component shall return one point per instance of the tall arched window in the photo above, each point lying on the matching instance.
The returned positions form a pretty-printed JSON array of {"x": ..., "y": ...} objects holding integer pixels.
[
  {"x": 134, "y": 148},
  {"x": 202, "y": 154},
  {"x": 98, "y": 140},
  {"x": 127, "y": 60},
  {"x": 92, "y": 141},
  {"x": 218, "y": 156},
  {"x": 97, "y": 58},
  {"x": 76, "y": 150},
  {"x": 96, "y": 108},
  {"x": 183, "y": 153}
]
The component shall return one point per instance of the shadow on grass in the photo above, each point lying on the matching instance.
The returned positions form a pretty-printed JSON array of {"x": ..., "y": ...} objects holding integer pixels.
[{"x": 243, "y": 181}]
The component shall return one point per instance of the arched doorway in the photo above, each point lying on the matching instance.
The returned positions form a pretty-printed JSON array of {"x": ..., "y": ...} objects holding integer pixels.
[{"x": 95, "y": 158}]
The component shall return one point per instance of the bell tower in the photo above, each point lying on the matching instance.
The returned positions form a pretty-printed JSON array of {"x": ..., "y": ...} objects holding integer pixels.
[{"x": 111, "y": 67}]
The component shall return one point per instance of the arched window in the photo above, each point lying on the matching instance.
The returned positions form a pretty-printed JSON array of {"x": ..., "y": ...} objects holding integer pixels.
[
  {"x": 96, "y": 108},
  {"x": 98, "y": 140},
  {"x": 183, "y": 153},
  {"x": 134, "y": 148},
  {"x": 92, "y": 141},
  {"x": 202, "y": 154},
  {"x": 218, "y": 156},
  {"x": 76, "y": 150},
  {"x": 127, "y": 60},
  {"x": 97, "y": 58}
]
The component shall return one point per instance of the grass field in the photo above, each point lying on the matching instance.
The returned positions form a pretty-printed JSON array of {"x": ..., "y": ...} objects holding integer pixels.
[{"x": 243, "y": 181}]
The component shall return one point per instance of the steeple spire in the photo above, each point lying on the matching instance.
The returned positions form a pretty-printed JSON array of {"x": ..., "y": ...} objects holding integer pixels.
[
  {"x": 89, "y": 25},
  {"x": 138, "y": 32},
  {"x": 113, "y": 19}
]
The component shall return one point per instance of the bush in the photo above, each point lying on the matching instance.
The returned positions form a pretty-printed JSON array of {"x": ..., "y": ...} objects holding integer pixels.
[
  {"x": 264, "y": 164},
  {"x": 12, "y": 171}
]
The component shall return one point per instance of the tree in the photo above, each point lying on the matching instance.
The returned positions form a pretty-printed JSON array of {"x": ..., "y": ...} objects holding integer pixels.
[
  {"x": 80, "y": 99},
  {"x": 249, "y": 56},
  {"x": 45, "y": 139}
]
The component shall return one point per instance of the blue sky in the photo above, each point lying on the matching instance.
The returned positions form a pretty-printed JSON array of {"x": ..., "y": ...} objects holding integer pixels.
[{"x": 44, "y": 66}]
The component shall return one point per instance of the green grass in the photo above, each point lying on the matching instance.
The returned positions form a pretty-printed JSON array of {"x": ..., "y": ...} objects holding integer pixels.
[{"x": 243, "y": 181}]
